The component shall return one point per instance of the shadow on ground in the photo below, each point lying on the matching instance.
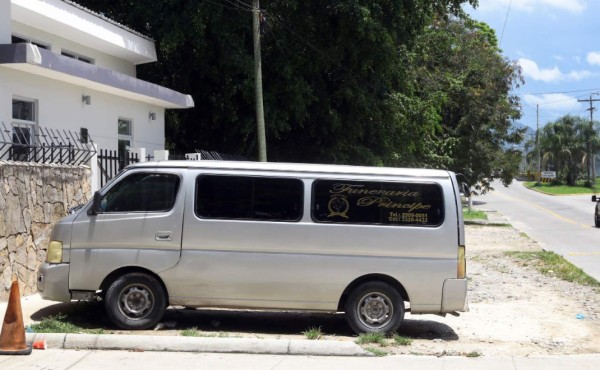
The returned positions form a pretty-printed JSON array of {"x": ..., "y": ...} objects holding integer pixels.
[{"x": 88, "y": 315}]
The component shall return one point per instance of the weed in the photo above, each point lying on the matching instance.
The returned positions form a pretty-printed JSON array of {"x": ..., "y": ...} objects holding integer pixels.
[
  {"x": 313, "y": 333},
  {"x": 61, "y": 324},
  {"x": 471, "y": 214},
  {"x": 402, "y": 340},
  {"x": 377, "y": 338},
  {"x": 192, "y": 332},
  {"x": 552, "y": 264},
  {"x": 473, "y": 354},
  {"x": 377, "y": 352}
]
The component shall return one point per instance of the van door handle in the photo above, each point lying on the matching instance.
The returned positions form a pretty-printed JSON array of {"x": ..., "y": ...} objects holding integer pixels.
[{"x": 163, "y": 236}]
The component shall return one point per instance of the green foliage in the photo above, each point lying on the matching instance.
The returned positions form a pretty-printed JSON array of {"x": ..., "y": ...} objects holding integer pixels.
[
  {"x": 458, "y": 68},
  {"x": 565, "y": 145},
  {"x": 558, "y": 189},
  {"x": 61, "y": 324},
  {"x": 372, "y": 338},
  {"x": 402, "y": 340},
  {"x": 377, "y": 352},
  {"x": 351, "y": 81},
  {"x": 471, "y": 214},
  {"x": 550, "y": 263},
  {"x": 191, "y": 332},
  {"x": 313, "y": 333}
]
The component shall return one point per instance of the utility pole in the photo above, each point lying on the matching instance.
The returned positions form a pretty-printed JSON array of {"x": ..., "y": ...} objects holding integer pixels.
[
  {"x": 260, "y": 113},
  {"x": 591, "y": 160},
  {"x": 537, "y": 141}
]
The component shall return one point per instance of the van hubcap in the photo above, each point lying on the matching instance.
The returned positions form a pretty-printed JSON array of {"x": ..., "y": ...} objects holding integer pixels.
[
  {"x": 375, "y": 310},
  {"x": 136, "y": 301}
]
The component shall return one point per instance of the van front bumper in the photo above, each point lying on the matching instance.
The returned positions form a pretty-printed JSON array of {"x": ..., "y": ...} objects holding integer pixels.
[
  {"x": 53, "y": 282},
  {"x": 454, "y": 296}
]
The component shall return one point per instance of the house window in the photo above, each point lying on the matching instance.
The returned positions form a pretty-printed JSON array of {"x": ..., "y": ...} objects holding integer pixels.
[
  {"x": 25, "y": 40},
  {"x": 79, "y": 57},
  {"x": 24, "y": 124},
  {"x": 124, "y": 143}
]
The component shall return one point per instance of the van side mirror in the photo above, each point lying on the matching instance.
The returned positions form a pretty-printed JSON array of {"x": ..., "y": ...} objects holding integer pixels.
[
  {"x": 594, "y": 199},
  {"x": 93, "y": 211},
  {"x": 466, "y": 189}
]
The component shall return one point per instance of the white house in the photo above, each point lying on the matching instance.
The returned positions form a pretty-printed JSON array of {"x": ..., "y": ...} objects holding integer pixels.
[{"x": 65, "y": 67}]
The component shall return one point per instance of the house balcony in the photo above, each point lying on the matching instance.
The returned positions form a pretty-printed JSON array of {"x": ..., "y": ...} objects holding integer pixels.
[{"x": 44, "y": 63}]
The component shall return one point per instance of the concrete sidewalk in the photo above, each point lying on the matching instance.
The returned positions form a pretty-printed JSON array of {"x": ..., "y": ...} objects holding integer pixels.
[
  {"x": 34, "y": 306},
  {"x": 85, "y": 359}
]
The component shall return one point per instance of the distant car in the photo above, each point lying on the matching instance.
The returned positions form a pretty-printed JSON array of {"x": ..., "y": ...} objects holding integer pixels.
[{"x": 597, "y": 212}]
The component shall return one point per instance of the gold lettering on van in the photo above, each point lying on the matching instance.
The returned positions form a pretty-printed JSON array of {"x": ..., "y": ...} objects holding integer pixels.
[
  {"x": 338, "y": 206},
  {"x": 387, "y": 203},
  {"x": 360, "y": 189}
]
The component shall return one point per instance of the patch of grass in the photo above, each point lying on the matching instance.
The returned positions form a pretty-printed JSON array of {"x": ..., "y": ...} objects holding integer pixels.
[
  {"x": 191, "y": 332},
  {"x": 313, "y": 333},
  {"x": 550, "y": 188},
  {"x": 401, "y": 340},
  {"x": 377, "y": 352},
  {"x": 473, "y": 354},
  {"x": 552, "y": 264},
  {"x": 471, "y": 214},
  {"x": 61, "y": 324},
  {"x": 368, "y": 338}
]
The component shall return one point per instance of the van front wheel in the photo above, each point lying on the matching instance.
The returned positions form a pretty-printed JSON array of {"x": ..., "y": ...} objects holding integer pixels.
[
  {"x": 135, "y": 301},
  {"x": 374, "y": 307}
]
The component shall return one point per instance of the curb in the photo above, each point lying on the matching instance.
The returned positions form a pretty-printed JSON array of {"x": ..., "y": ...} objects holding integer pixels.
[{"x": 194, "y": 344}]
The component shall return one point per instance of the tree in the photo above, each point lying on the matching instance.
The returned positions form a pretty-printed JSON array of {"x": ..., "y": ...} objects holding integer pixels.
[
  {"x": 334, "y": 75},
  {"x": 459, "y": 69},
  {"x": 565, "y": 142}
]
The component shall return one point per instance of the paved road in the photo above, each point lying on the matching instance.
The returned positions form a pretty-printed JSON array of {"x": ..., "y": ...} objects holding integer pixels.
[{"x": 562, "y": 224}]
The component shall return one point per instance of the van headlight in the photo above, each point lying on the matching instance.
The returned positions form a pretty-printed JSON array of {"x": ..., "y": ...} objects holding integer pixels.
[{"x": 55, "y": 249}]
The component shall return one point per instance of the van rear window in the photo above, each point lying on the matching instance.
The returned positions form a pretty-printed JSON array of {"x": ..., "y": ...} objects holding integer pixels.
[
  {"x": 382, "y": 203},
  {"x": 249, "y": 198}
]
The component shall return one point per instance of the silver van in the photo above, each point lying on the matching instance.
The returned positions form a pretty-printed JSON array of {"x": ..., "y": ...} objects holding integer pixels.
[{"x": 372, "y": 242}]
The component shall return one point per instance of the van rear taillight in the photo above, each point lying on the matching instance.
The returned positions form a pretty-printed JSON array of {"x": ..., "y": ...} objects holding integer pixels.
[{"x": 461, "y": 271}]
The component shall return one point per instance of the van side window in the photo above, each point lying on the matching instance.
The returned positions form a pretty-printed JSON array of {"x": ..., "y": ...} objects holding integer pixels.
[
  {"x": 249, "y": 198},
  {"x": 382, "y": 203},
  {"x": 142, "y": 192}
]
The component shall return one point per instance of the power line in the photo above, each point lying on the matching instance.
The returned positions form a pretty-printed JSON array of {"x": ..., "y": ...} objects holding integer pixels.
[
  {"x": 505, "y": 20},
  {"x": 557, "y": 92}
]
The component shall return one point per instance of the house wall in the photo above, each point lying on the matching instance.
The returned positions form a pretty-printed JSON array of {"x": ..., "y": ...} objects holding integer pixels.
[
  {"x": 60, "y": 107},
  {"x": 32, "y": 198},
  {"x": 57, "y": 44}
]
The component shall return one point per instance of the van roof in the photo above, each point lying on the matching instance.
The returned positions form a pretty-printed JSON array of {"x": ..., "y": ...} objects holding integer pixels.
[{"x": 296, "y": 167}]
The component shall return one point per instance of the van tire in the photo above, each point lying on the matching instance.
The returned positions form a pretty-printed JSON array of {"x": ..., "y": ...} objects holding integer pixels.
[
  {"x": 374, "y": 307},
  {"x": 135, "y": 301}
]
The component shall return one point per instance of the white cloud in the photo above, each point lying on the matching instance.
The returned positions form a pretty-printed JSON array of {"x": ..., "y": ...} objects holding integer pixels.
[
  {"x": 532, "y": 70},
  {"x": 593, "y": 58},
  {"x": 557, "y": 103}
]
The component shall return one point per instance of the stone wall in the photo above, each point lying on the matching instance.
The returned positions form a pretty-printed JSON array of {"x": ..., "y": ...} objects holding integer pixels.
[{"x": 32, "y": 198}]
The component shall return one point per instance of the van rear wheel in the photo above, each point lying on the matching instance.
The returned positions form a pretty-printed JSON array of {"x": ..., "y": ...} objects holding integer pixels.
[
  {"x": 374, "y": 307},
  {"x": 135, "y": 301}
]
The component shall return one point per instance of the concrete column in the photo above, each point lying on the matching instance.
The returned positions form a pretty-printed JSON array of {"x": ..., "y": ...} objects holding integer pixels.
[
  {"x": 5, "y": 22},
  {"x": 141, "y": 153},
  {"x": 161, "y": 155},
  {"x": 95, "y": 178}
]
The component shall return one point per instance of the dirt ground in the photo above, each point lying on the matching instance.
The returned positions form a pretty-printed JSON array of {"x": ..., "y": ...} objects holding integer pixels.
[{"x": 514, "y": 311}]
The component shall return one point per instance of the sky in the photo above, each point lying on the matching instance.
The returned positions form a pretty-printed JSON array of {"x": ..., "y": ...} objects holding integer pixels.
[{"x": 557, "y": 45}]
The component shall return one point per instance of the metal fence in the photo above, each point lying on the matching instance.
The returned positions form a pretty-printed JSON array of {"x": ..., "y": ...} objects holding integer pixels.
[
  {"x": 110, "y": 163},
  {"x": 44, "y": 146},
  {"x": 206, "y": 155}
]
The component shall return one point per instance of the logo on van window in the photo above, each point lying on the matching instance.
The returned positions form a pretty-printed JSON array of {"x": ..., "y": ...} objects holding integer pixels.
[{"x": 338, "y": 206}]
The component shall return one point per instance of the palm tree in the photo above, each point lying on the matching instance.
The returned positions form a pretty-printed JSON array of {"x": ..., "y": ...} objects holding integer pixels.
[{"x": 563, "y": 142}]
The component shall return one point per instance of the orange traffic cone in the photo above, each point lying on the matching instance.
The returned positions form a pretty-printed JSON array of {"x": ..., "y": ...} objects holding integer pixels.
[{"x": 12, "y": 337}]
